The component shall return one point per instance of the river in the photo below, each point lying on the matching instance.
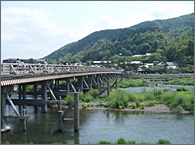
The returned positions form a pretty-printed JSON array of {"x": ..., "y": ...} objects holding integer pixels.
[
  {"x": 102, "y": 125},
  {"x": 160, "y": 87}
]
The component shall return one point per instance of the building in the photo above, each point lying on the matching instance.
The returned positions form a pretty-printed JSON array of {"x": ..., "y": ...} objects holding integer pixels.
[
  {"x": 9, "y": 60},
  {"x": 172, "y": 65},
  {"x": 31, "y": 60},
  {"x": 141, "y": 55},
  {"x": 101, "y": 62}
]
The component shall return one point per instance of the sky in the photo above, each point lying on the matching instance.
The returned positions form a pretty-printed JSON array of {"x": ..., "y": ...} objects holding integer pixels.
[{"x": 34, "y": 29}]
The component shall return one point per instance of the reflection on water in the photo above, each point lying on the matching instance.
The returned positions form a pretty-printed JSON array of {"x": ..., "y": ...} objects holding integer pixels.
[{"x": 102, "y": 125}]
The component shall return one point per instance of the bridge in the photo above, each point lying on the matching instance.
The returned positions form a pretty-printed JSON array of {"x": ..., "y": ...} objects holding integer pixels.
[{"x": 43, "y": 82}]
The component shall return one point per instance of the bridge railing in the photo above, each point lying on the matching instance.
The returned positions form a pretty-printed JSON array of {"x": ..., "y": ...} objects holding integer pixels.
[{"x": 15, "y": 68}]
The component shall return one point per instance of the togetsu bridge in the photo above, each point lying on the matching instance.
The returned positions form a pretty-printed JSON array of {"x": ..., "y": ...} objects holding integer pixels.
[{"x": 46, "y": 81}]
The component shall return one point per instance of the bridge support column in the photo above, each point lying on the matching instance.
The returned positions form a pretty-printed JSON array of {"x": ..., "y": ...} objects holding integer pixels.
[
  {"x": 90, "y": 82},
  {"x": 81, "y": 83},
  {"x": 20, "y": 96},
  {"x": 76, "y": 111},
  {"x": 108, "y": 88},
  {"x": 45, "y": 97},
  {"x": 98, "y": 82},
  {"x": 4, "y": 91},
  {"x": 24, "y": 95},
  {"x": 19, "y": 91},
  {"x": 3, "y": 107},
  {"x": 68, "y": 86},
  {"x": 116, "y": 83},
  {"x": 35, "y": 95}
]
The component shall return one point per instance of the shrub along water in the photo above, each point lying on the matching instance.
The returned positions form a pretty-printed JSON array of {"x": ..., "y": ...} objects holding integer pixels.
[
  {"x": 123, "y": 141},
  {"x": 180, "y": 100}
]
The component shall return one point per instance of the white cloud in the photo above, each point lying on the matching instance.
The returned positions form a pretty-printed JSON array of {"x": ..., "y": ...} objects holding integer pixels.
[
  {"x": 170, "y": 9},
  {"x": 102, "y": 23},
  {"x": 30, "y": 31}
]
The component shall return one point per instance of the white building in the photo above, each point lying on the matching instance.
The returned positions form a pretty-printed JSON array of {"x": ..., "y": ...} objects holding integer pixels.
[{"x": 172, "y": 65}]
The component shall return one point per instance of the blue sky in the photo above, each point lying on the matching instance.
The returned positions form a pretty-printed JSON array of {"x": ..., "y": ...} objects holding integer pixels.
[{"x": 34, "y": 29}]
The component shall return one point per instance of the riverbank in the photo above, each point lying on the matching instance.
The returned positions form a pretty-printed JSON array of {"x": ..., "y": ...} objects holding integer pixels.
[
  {"x": 158, "y": 108},
  {"x": 154, "y": 100}
]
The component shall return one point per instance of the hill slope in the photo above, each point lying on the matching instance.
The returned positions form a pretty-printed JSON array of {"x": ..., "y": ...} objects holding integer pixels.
[{"x": 148, "y": 36}]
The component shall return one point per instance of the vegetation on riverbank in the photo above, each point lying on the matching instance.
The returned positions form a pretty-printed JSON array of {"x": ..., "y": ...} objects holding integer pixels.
[
  {"x": 123, "y": 141},
  {"x": 119, "y": 141},
  {"x": 180, "y": 100},
  {"x": 173, "y": 81},
  {"x": 143, "y": 82},
  {"x": 132, "y": 83}
]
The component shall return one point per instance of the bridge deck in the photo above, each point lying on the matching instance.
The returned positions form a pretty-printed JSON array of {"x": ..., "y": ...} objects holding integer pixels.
[{"x": 12, "y": 74}]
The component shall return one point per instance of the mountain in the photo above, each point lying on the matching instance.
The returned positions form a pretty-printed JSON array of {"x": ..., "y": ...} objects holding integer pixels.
[{"x": 150, "y": 36}]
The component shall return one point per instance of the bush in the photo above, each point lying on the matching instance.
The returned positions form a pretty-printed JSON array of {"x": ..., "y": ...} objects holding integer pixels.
[
  {"x": 84, "y": 106},
  {"x": 150, "y": 104},
  {"x": 118, "y": 98},
  {"x": 179, "y": 109},
  {"x": 81, "y": 96},
  {"x": 6, "y": 142},
  {"x": 149, "y": 95},
  {"x": 104, "y": 142},
  {"x": 120, "y": 107},
  {"x": 142, "y": 106},
  {"x": 131, "y": 142},
  {"x": 162, "y": 141},
  {"x": 69, "y": 99},
  {"x": 183, "y": 89},
  {"x": 136, "y": 97},
  {"x": 88, "y": 98},
  {"x": 137, "y": 103},
  {"x": 121, "y": 141},
  {"x": 94, "y": 93},
  {"x": 134, "y": 106}
]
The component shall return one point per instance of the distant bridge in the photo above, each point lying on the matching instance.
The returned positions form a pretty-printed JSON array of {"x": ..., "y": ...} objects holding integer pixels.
[{"x": 46, "y": 81}]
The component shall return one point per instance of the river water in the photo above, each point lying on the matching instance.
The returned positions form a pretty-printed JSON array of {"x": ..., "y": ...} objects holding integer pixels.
[
  {"x": 102, "y": 125},
  {"x": 160, "y": 87}
]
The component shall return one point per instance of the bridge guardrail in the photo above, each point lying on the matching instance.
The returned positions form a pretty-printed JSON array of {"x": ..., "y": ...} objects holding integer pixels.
[{"x": 15, "y": 68}]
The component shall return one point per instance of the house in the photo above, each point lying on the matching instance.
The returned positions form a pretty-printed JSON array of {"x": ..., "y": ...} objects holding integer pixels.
[
  {"x": 141, "y": 55},
  {"x": 138, "y": 55},
  {"x": 9, "y": 60},
  {"x": 148, "y": 65},
  {"x": 172, "y": 65},
  {"x": 101, "y": 62},
  {"x": 136, "y": 62},
  {"x": 147, "y": 54}
]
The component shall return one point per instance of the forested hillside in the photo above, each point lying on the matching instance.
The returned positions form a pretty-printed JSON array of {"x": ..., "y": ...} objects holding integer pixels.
[{"x": 167, "y": 40}]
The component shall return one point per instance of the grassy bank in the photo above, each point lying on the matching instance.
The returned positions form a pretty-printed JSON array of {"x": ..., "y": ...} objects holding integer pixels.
[
  {"x": 123, "y": 141},
  {"x": 173, "y": 81},
  {"x": 180, "y": 100},
  {"x": 154, "y": 81},
  {"x": 119, "y": 141}
]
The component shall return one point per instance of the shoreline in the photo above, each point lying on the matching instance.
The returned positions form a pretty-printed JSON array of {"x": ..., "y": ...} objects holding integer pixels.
[{"x": 159, "y": 108}]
